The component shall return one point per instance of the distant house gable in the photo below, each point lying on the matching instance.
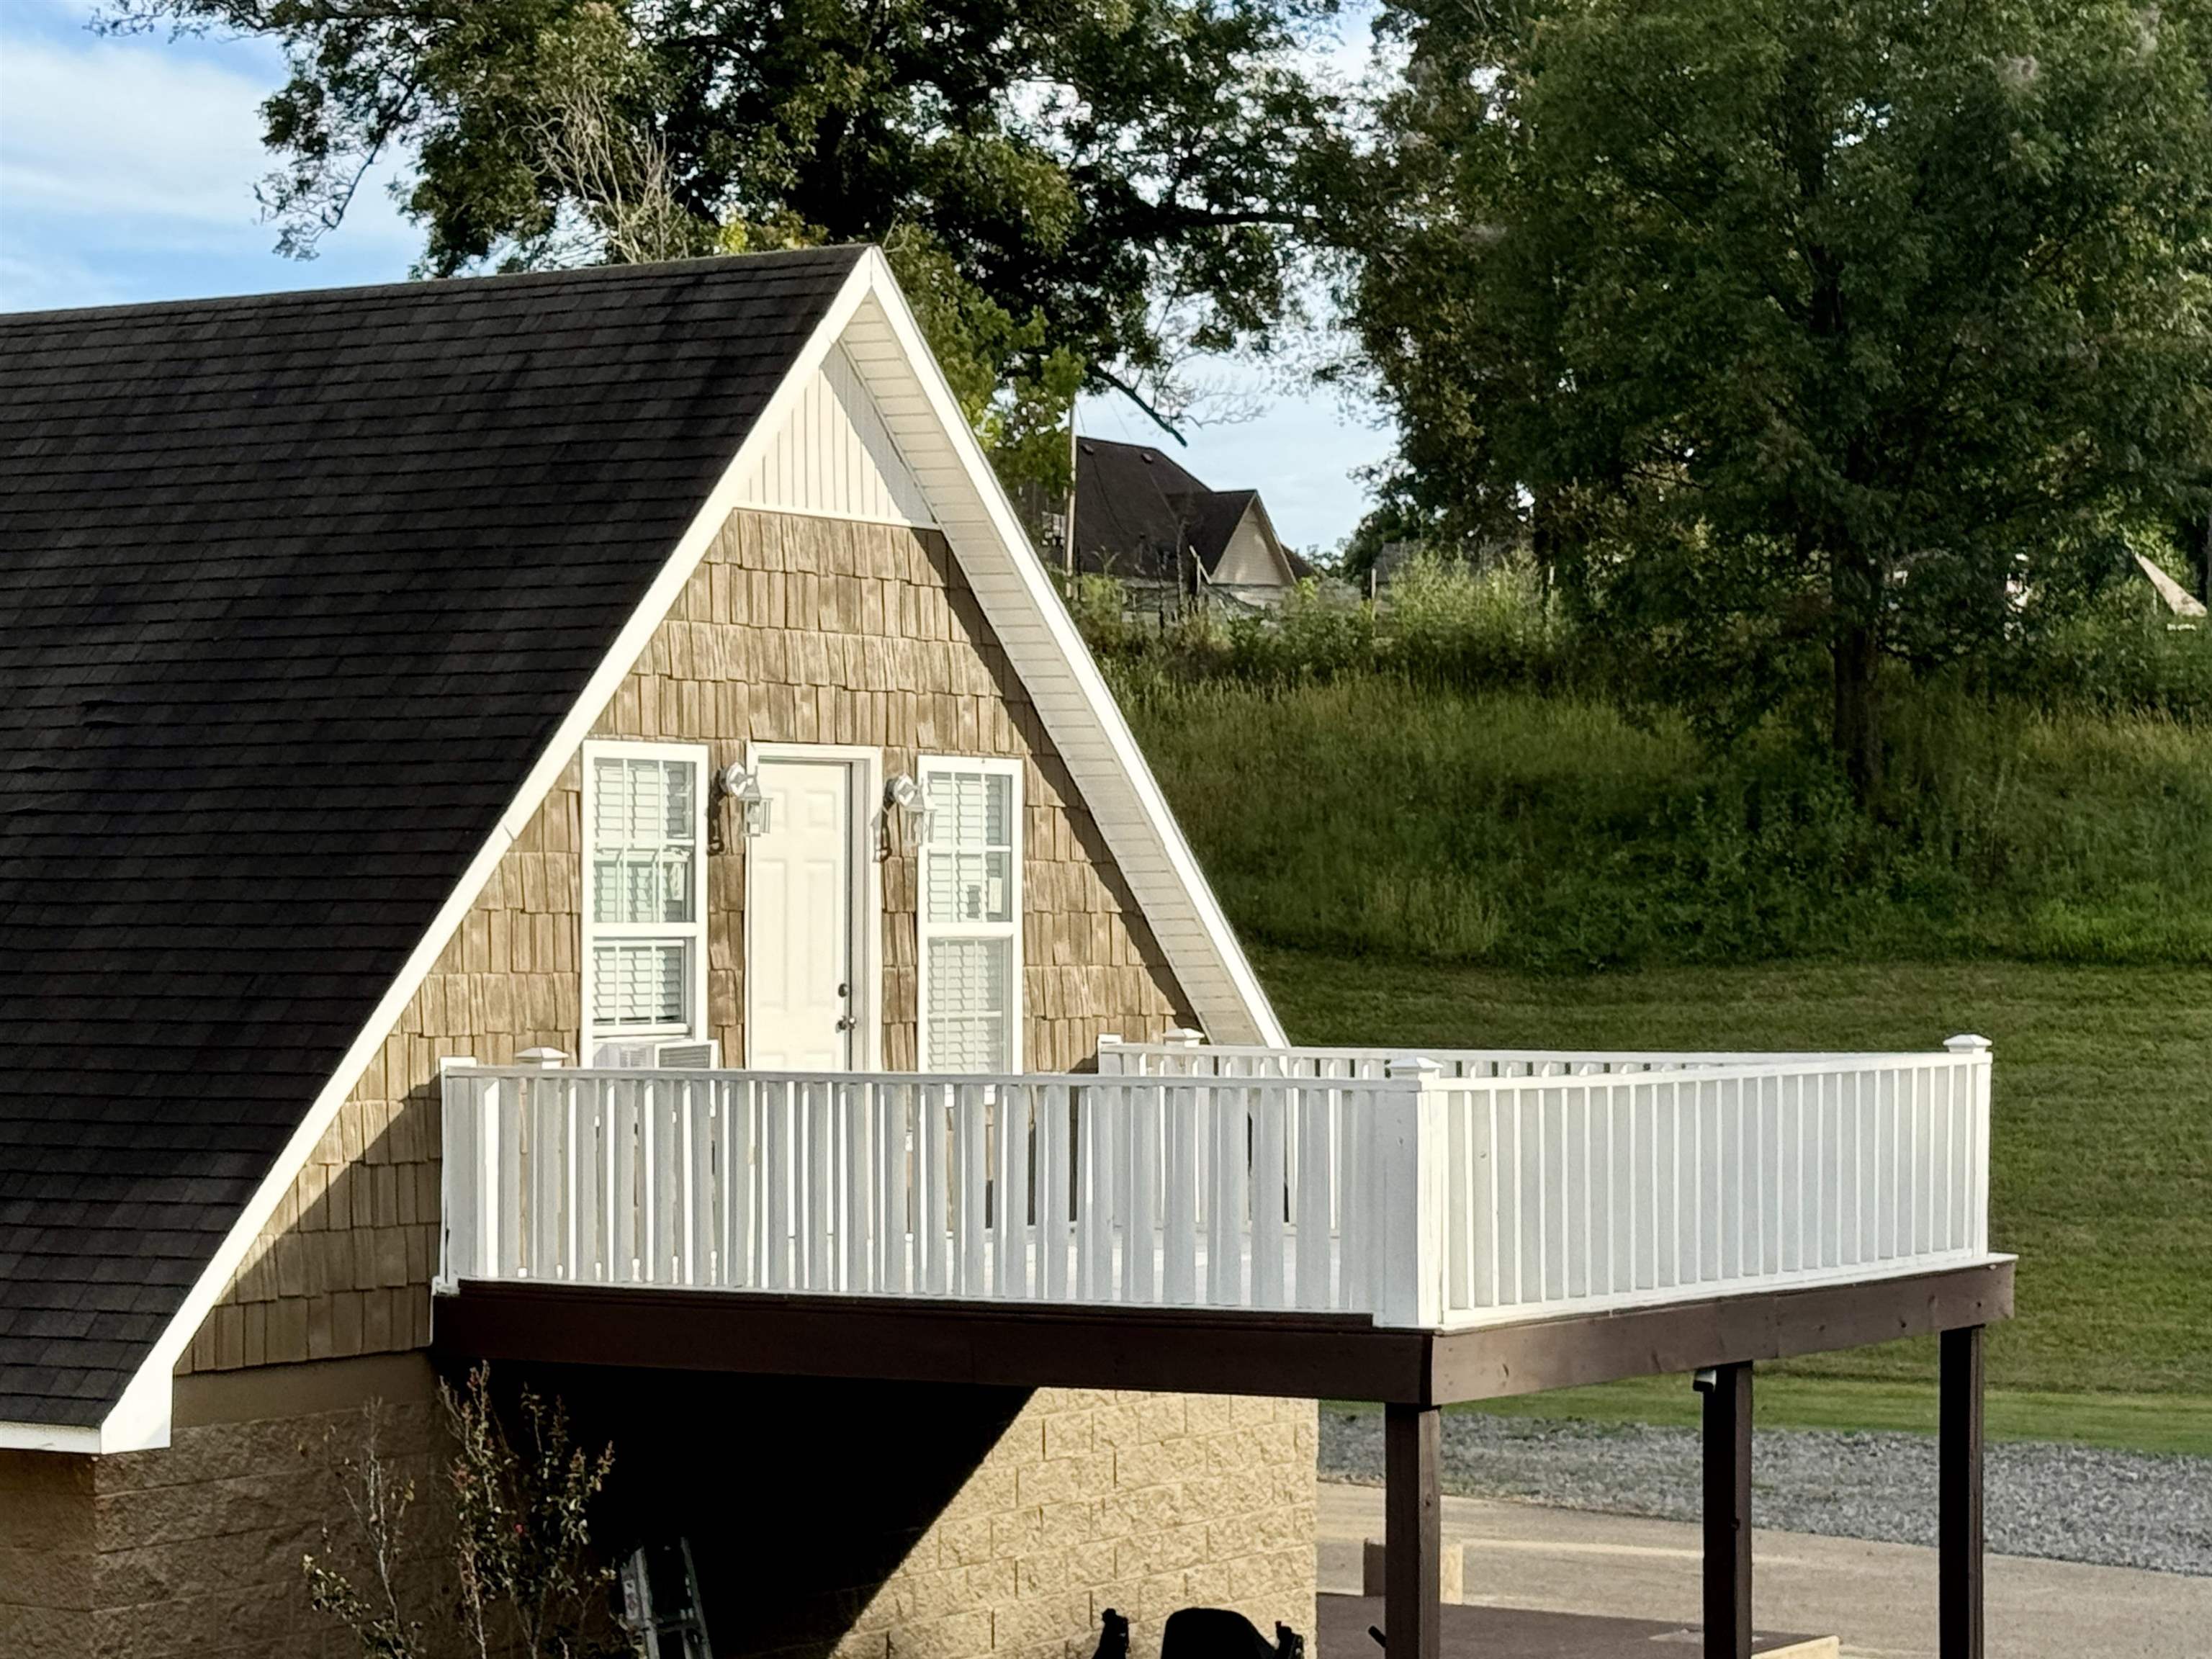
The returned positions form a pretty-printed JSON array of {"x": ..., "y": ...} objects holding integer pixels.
[{"x": 309, "y": 600}]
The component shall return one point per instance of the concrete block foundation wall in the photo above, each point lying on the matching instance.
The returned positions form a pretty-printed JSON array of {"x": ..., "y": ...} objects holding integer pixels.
[
  {"x": 1143, "y": 1502},
  {"x": 830, "y": 1521},
  {"x": 195, "y": 1550}
]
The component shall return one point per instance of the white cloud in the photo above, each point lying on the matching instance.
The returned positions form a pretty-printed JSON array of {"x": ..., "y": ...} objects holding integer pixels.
[
  {"x": 127, "y": 168},
  {"x": 124, "y": 128}
]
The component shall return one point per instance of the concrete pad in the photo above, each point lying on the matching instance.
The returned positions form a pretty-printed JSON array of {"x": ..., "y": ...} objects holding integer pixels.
[
  {"x": 1342, "y": 1623},
  {"x": 1879, "y": 1599}
]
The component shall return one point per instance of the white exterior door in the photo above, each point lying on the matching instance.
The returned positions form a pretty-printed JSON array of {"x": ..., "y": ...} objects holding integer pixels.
[{"x": 801, "y": 1001}]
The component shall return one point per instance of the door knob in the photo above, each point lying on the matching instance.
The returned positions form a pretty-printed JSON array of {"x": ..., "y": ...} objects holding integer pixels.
[{"x": 846, "y": 1023}]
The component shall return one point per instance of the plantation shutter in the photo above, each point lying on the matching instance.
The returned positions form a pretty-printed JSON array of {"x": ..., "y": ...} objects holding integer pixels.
[
  {"x": 971, "y": 916},
  {"x": 645, "y": 911}
]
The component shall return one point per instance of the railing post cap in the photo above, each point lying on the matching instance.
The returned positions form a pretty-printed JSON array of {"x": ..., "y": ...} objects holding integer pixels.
[
  {"x": 547, "y": 1058},
  {"x": 1182, "y": 1037},
  {"x": 1967, "y": 1044},
  {"x": 1417, "y": 1066}
]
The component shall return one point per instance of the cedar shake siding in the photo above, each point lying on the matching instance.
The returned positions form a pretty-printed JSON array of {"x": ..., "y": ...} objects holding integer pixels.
[{"x": 793, "y": 628}]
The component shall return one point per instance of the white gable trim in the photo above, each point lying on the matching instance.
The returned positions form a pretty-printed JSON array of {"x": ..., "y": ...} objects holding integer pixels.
[{"x": 869, "y": 321}]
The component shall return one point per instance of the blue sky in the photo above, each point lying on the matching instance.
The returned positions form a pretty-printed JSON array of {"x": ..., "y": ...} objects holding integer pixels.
[{"x": 127, "y": 168}]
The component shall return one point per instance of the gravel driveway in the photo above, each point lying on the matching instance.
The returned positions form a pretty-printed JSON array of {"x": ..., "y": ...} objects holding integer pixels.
[{"x": 2067, "y": 1503}]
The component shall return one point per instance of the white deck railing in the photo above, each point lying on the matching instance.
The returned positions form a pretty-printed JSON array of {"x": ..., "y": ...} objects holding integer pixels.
[{"x": 1420, "y": 1198}]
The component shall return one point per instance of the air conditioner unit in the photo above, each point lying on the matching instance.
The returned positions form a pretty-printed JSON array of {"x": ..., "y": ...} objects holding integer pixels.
[{"x": 658, "y": 1054}]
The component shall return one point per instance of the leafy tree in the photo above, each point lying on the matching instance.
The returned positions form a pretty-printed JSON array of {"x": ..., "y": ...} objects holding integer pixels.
[
  {"x": 1107, "y": 185},
  {"x": 1867, "y": 324}
]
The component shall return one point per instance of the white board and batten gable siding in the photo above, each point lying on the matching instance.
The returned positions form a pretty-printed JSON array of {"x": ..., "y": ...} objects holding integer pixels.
[{"x": 833, "y": 456}]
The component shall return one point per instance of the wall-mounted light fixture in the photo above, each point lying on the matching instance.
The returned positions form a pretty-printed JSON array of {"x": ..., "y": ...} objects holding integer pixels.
[
  {"x": 742, "y": 790},
  {"x": 907, "y": 797}
]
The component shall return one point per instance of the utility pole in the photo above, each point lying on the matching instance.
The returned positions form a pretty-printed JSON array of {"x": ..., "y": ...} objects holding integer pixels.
[{"x": 1067, "y": 518}]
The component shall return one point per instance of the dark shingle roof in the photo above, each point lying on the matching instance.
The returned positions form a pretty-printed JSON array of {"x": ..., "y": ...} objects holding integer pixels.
[
  {"x": 1137, "y": 509},
  {"x": 1125, "y": 523},
  {"x": 293, "y": 591}
]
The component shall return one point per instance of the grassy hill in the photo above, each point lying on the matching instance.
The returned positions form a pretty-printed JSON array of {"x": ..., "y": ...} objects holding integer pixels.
[
  {"x": 1559, "y": 832},
  {"x": 1431, "y": 866}
]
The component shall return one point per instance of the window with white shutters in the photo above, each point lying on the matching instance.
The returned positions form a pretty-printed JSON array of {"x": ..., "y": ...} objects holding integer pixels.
[
  {"x": 645, "y": 912},
  {"x": 970, "y": 902}
]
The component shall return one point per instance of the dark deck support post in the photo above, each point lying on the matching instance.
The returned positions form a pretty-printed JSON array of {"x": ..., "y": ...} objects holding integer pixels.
[
  {"x": 1727, "y": 1390},
  {"x": 1958, "y": 1486},
  {"x": 1412, "y": 1530}
]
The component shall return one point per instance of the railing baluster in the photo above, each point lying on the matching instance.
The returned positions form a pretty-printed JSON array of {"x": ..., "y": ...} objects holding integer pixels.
[
  {"x": 932, "y": 1266},
  {"x": 508, "y": 1111},
  {"x": 821, "y": 1186},
  {"x": 1094, "y": 1193},
  {"x": 1140, "y": 1242},
  {"x": 970, "y": 1211},
  {"x": 888, "y": 1111},
  {"x": 1310, "y": 1209},
  {"x": 1180, "y": 1270},
  {"x": 575, "y": 1161},
  {"x": 1010, "y": 1213},
  {"x": 1620, "y": 1184},
  {"x": 1055, "y": 1174},
  {"x": 1353, "y": 1201},
  {"x": 1223, "y": 1134},
  {"x": 855, "y": 1222},
  {"x": 1270, "y": 1189},
  {"x": 699, "y": 1160}
]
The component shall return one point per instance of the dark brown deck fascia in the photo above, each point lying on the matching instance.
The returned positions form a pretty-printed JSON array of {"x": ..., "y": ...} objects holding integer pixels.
[
  {"x": 1188, "y": 1351},
  {"x": 1724, "y": 1330},
  {"x": 929, "y": 1340}
]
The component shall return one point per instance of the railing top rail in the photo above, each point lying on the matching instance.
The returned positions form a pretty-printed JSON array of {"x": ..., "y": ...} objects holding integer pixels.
[
  {"x": 1794, "y": 1065},
  {"x": 1447, "y": 1055},
  {"x": 930, "y": 1079}
]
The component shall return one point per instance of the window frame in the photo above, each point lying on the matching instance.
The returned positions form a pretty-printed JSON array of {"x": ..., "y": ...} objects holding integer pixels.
[
  {"x": 1011, "y": 929},
  {"x": 693, "y": 932}
]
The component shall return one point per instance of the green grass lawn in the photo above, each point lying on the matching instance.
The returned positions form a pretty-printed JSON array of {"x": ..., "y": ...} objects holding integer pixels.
[
  {"x": 2101, "y": 1156},
  {"x": 1787, "y": 1399}
]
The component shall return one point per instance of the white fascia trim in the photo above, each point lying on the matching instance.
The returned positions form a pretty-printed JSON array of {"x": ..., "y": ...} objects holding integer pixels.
[
  {"x": 47, "y": 1437},
  {"x": 1037, "y": 589},
  {"x": 140, "y": 1420}
]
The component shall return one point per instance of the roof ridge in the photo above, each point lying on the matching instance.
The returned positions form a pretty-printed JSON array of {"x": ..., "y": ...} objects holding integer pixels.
[{"x": 832, "y": 253}]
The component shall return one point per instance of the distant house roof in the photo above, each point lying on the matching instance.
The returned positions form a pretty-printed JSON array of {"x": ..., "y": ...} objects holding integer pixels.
[
  {"x": 1139, "y": 511},
  {"x": 296, "y": 595}
]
